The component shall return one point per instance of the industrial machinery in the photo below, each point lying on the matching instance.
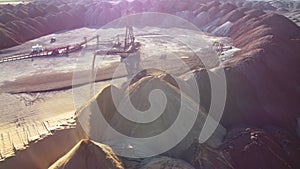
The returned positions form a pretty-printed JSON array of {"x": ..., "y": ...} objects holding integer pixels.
[
  {"x": 130, "y": 45},
  {"x": 129, "y": 53},
  {"x": 41, "y": 51},
  {"x": 37, "y": 48},
  {"x": 52, "y": 40}
]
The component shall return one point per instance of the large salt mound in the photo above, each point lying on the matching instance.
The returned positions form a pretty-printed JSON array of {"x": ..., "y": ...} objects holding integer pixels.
[
  {"x": 88, "y": 154},
  {"x": 269, "y": 60},
  {"x": 139, "y": 91}
]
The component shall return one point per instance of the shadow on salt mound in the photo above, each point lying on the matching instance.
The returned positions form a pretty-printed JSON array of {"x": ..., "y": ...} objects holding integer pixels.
[
  {"x": 88, "y": 154},
  {"x": 7, "y": 38},
  {"x": 211, "y": 25},
  {"x": 201, "y": 19},
  {"x": 28, "y": 31},
  {"x": 203, "y": 156},
  {"x": 161, "y": 162},
  {"x": 7, "y": 17},
  {"x": 232, "y": 16},
  {"x": 137, "y": 95},
  {"x": 249, "y": 148}
]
